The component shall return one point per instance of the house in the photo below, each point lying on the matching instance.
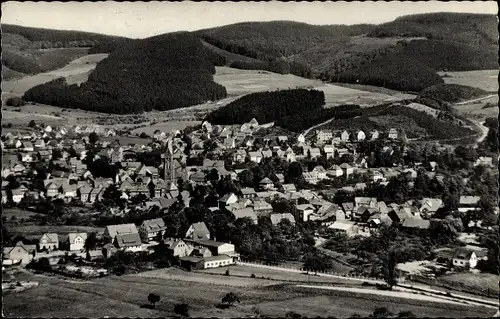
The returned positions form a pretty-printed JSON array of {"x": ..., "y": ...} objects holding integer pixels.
[
  {"x": 324, "y": 136},
  {"x": 198, "y": 231},
  {"x": 266, "y": 184},
  {"x": 344, "y": 226},
  {"x": 363, "y": 214},
  {"x": 430, "y": 205},
  {"x": 310, "y": 178},
  {"x": 28, "y": 147},
  {"x": 288, "y": 188},
  {"x": 329, "y": 151},
  {"x": 215, "y": 248},
  {"x": 76, "y": 241},
  {"x": 128, "y": 241},
  {"x": 360, "y": 136},
  {"x": 393, "y": 134},
  {"x": 346, "y": 169},
  {"x": 484, "y": 161},
  {"x": 151, "y": 228},
  {"x": 301, "y": 138},
  {"x": 304, "y": 211},
  {"x": 315, "y": 152},
  {"x": 248, "y": 192},
  {"x": 177, "y": 247},
  {"x": 344, "y": 137},
  {"x": 246, "y": 212},
  {"x": 277, "y": 218},
  {"x": 320, "y": 172},
  {"x": 374, "y": 135},
  {"x": 336, "y": 171},
  {"x": 255, "y": 157},
  {"x": 465, "y": 258},
  {"x": 262, "y": 208},
  {"x": 229, "y": 198},
  {"x": 19, "y": 253},
  {"x": 39, "y": 144},
  {"x": 418, "y": 223},
  {"x": 377, "y": 176},
  {"x": 348, "y": 208},
  {"x": 469, "y": 203},
  {"x": 280, "y": 177},
  {"x": 49, "y": 241},
  {"x": 112, "y": 231},
  {"x": 239, "y": 156},
  {"x": 18, "y": 194},
  {"x": 267, "y": 153},
  {"x": 370, "y": 202}
]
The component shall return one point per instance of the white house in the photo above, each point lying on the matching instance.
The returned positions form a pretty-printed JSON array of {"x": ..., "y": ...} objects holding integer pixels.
[
  {"x": 464, "y": 258},
  {"x": 301, "y": 138},
  {"x": 374, "y": 135},
  {"x": 344, "y": 136},
  {"x": 360, "y": 136},
  {"x": 346, "y": 169},
  {"x": 76, "y": 241},
  {"x": 393, "y": 134},
  {"x": 255, "y": 157},
  {"x": 336, "y": 171},
  {"x": 305, "y": 210},
  {"x": 320, "y": 172},
  {"x": 329, "y": 151},
  {"x": 48, "y": 241}
]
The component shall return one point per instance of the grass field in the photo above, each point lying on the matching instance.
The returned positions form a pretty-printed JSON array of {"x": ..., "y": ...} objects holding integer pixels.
[
  {"x": 483, "y": 79},
  {"x": 75, "y": 72},
  {"x": 476, "y": 110},
  {"x": 124, "y": 296},
  {"x": 472, "y": 282},
  {"x": 17, "y": 212}
]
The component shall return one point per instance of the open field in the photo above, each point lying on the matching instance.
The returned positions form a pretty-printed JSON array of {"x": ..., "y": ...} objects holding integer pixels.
[
  {"x": 8, "y": 213},
  {"x": 481, "y": 283},
  {"x": 239, "y": 82},
  {"x": 76, "y": 72},
  {"x": 35, "y": 231},
  {"x": 483, "y": 79},
  {"x": 475, "y": 110},
  {"x": 124, "y": 296},
  {"x": 247, "y": 271},
  {"x": 166, "y": 127},
  {"x": 337, "y": 95}
]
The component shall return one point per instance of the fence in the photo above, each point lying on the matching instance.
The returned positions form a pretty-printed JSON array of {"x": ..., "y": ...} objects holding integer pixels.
[{"x": 290, "y": 268}]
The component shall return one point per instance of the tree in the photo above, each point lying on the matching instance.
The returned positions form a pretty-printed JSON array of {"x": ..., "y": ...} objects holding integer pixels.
[
  {"x": 213, "y": 175},
  {"x": 230, "y": 298},
  {"x": 406, "y": 314},
  {"x": 153, "y": 299},
  {"x": 246, "y": 178},
  {"x": 93, "y": 138},
  {"x": 390, "y": 269},
  {"x": 317, "y": 263},
  {"x": 15, "y": 101},
  {"x": 32, "y": 123},
  {"x": 292, "y": 315},
  {"x": 381, "y": 312},
  {"x": 182, "y": 309},
  {"x": 91, "y": 241},
  {"x": 88, "y": 257},
  {"x": 105, "y": 253}
]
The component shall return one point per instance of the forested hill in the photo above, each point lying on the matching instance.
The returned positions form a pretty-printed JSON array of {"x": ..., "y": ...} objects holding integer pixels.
[
  {"x": 28, "y": 50},
  {"x": 433, "y": 42},
  {"x": 162, "y": 72}
]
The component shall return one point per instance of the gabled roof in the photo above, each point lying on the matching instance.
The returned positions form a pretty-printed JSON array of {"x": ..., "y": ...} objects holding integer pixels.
[
  {"x": 247, "y": 191},
  {"x": 73, "y": 236},
  {"x": 266, "y": 181},
  {"x": 245, "y": 212},
  {"x": 416, "y": 223},
  {"x": 200, "y": 229},
  {"x": 128, "y": 240},
  {"x": 51, "y": 237},
  {"x": 153, "y": 225},
  {"x": 469, "y": 200},
  {"x": 114, "y": 230}
]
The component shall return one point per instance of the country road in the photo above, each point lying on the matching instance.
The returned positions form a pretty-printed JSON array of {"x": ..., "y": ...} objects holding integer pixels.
[
  {"x": 475, "y": 100},
  {"x": 317, "y": 125}
]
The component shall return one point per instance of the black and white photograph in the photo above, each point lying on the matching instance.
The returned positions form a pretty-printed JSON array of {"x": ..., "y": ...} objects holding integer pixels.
[{"x": 250, "y": 159}]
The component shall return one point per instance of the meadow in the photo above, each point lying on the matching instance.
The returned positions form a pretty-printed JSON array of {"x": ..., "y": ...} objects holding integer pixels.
[
  {"x": 35, "y": 231},
  {"x": 166, "y": 127},
  {"x": 126, "y": 296},
  {"x": 483, "y": 79}
]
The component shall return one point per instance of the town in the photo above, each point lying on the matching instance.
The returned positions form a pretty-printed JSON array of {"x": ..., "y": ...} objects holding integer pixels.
[{"x": 177, "y": 194}]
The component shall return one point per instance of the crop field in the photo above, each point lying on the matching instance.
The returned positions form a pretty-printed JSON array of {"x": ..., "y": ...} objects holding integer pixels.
[
  {"x": 166, "y": 127},
  {"x": 337, "y": 95},
  {"x": 239, "y": 82},
  {"x": 483, "y": 79},
  {"x": 126, "y": 296},
  {"x": 75, "y": 72}
]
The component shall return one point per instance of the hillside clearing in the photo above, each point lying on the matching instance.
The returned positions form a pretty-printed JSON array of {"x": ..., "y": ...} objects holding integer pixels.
[
  {"x": 76, "y": 72},
  {"x": 482, "y": 79},
  {"x": 166, "y": 127}
]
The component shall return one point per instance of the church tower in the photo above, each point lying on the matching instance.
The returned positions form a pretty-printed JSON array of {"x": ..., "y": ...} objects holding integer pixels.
[{"x": 168, "y": 163}]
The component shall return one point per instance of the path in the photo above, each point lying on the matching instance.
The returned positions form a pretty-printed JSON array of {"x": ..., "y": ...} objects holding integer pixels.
[
  {"x": 317, "y": 125},
  {"x": 475, "y": 100}
]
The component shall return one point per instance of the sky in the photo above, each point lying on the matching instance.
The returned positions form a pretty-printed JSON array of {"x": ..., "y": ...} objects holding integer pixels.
[{"x": 144, "y": 19}]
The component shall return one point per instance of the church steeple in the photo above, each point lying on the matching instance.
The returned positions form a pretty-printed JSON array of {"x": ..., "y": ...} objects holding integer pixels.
[{"x": 168, "y": 163}]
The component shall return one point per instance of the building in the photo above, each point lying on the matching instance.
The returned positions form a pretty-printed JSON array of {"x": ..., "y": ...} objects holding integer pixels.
[
  {"x": 301, "y": 138},
  {"x": 469, "y": 203},
  {"x": 266, "y": 184},
  {"x": 304, "y": 211},
  {"x": 360, "y": 136},
  {"x": 76, "y": 241},
  {"x": 246, "y": 212},
  {"x": 324, "y": 136},
  {"x": 49, "y": 241},
  {"x": 248, "y": 192},
  {"x": 20, "y": 253},
  {"x": 374, "y": 135},
  {"x": 393, "y": 134},
  {"x": 464, "y": 258},
  {"x": 344, "y": 137},
  {"x": 128, "y": 242},
  {"x": 344, "y": 226},
  {"x": 229, "y": 198},
  {"x": 277, "y": 218},
  {"x": 177, "y": 247},
  {"x": 255, "y": 157},
  {"x": 198, "y": 231},
  {"x": 150, "y": 229},
  {"x": 112, "y": 231},
  {"x": 346, "y": 169}
]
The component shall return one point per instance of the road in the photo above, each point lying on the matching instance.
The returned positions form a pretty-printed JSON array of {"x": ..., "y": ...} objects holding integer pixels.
[
  {"x": 316, "y": 126},
  {"x": 475, "y": 100}
]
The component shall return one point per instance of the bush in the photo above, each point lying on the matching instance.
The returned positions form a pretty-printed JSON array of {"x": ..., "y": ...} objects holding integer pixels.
[
  {"x": 182, "y": 309},
  {"x": 15, "y": 101},
  {"x": 227, "y": 273},
  {"x": 252, "y": 276}
]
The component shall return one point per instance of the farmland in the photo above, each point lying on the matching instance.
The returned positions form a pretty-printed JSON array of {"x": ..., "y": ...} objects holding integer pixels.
[
  {"x": 35, "y": 231},
  {"x": 127, "y": 295},
  {"x": 483, "y": 283},
  {"x": 75, "y": 72},
  {"x": 483, "y": 79}
]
